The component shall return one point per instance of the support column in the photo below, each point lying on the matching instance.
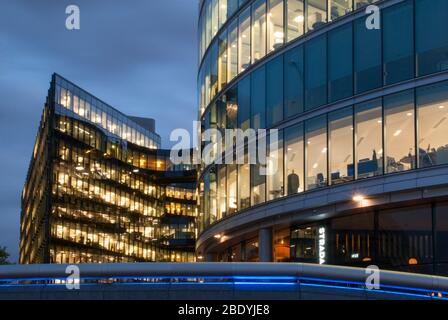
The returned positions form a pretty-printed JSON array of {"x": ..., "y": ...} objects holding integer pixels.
[
  {"x": 265, "y": 244},
  {"x": 210, "y": 257}
]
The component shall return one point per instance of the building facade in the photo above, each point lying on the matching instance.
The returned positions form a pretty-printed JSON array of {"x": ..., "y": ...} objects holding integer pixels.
[
  {"x": 362, "y": 115},
  {"x": 99, "y": 188}
]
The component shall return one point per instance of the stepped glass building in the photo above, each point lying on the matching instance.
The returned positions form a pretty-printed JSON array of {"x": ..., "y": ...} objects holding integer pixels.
[
  {"x": 362, "y": 115},
  {"x": 99, "y": 189}
]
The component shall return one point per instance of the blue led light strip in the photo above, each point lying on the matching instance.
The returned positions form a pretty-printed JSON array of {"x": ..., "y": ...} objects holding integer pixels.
[{"x": 241, "y": 281}]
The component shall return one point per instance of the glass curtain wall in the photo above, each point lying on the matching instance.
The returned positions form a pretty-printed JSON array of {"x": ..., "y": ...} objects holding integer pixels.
[
  {"x": 431, "y": 44},
  {"x": 432, "y": 103},
  {"x": 369, "y": 139},
  {"x": 339, "y": 8},
  {"x": 294, "y": 160},
  {"x": 274, "y": 94},
  {"x": 316, "y": 13},
  {"x": 258, "y": 30},
  {"x": 295, "y": 17},
  {"x": 316, "y": 153},
  {"x": 340, "y": 124},
  {"x": 232, "y": 51},
  {"x": 398, "y": 38},
  {"x": 340, "y": 63},
  {"x": 244, "y": 43},
  {"x": 399, "y": 132},
  {"x": 294, "y": 80},
  {"x": 274, "y": 177},
  {"x": 258, "y": 98},
  {"x": 316, "y": 72},
  {"x": 275, "y": 25}
]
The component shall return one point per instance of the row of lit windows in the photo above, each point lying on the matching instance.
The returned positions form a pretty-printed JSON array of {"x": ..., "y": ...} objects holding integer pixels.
[
  {"x": 77, "y": 163},
  {"x": 113, "y": 233},
  {"x": 180, "y": 193},
  {"x": 343, "y": 62},
  {"x": 105, "y": 118},
  {"x": 366, "y": 140},
  {"x": 82, "y": 234},
  {"x": 215, "y": 13},
  {"x": 101, "y": 215},
  {"x": 116, "y": 149},
  {"x": 103, "y": 193},
  {"x": 69, "y": 255},
  {"x": 180, "y": 209}
]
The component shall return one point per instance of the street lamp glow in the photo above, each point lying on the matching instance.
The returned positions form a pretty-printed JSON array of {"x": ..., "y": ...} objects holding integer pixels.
[{"x": 358, "y": 198}]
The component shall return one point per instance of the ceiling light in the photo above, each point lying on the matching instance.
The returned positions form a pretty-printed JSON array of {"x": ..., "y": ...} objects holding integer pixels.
[
  {"x": 278, "y": 35},
  {"x": 299, "y": 19},
  {"x": 397, "y": 133},
  {"x": 410, "y": 114},
  {"x": 358, "y": 198},
  {"x": 218, "y": 236},
  {"x": 441, "y": 107}
]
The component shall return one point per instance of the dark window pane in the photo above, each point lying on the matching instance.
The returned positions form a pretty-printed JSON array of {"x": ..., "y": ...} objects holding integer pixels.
[
  {"x": 368, "y": 73},
  {"x": 340, "y": 63},
  {"x": 431, "y": 40},
  {"x": 293, "y": 82},
  {"x": 405, "y": 237},
  {"x": 352, "y": 240},
  {"x": 316, "y": 72},
  {"x": 258, "y": 101},
  {"x": 442, "y": 232},
  {"x": 274, "y": 76},
  {"x": 398, "y": 38}
]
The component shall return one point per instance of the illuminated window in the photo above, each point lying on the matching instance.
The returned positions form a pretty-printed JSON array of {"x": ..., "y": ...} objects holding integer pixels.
[{"x": 275, "y": 25}]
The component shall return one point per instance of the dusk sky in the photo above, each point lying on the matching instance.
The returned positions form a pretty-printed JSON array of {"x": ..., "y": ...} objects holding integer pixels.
[{"x": 139, "y": 56}]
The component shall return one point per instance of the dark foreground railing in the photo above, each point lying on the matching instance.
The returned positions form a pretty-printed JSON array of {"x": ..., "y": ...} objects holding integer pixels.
[{"x": 218, "y": 281}]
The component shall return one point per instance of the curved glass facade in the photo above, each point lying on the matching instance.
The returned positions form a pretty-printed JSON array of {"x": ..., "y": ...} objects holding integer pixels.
[
  {"x": 350, "y": 103},
  {"x": 365, "y": 140},
  {"x": 233, "y": 34}
]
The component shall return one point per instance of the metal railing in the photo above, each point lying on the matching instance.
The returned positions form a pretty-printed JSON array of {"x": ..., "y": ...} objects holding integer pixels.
[{"x": 240, "y": 273}]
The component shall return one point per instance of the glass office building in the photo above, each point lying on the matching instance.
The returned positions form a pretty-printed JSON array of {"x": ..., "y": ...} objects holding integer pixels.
[
  {"x": 362, "y": 115},
  {"x": 100, "y": 190}
]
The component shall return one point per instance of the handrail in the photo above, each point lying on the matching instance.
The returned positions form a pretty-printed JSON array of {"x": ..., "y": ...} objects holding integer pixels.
[{"x": 297, "y": 271}]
